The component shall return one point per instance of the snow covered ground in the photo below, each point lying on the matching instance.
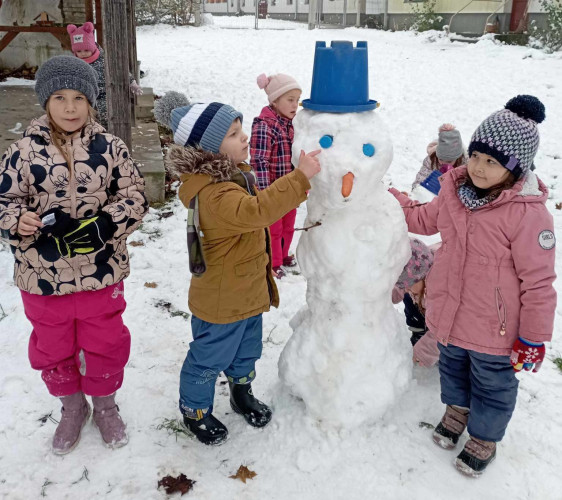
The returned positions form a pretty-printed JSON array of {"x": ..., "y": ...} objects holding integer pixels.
[{"x": 421, "y": 82}]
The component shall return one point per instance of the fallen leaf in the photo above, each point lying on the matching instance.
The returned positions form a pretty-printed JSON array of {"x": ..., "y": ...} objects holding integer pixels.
[
  {"x": 176, "y": 484},
  {"x": 243, "y": 473},
  {"x": 558, "y": 206},
  {"x": 136, "y": 243},
  {"x": 165, "y": 215},
  {"x": 150, "y": 284}
]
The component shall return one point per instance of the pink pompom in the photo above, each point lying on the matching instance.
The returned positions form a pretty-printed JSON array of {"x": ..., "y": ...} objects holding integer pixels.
[{"x": 263, "y": 81}]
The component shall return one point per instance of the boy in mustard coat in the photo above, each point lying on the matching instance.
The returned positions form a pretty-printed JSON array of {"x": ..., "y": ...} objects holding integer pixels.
[{"x": 230, "y": 257}]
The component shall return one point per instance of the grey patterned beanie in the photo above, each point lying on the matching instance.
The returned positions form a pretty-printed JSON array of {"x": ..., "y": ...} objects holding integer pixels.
[
  {"x": 66, "y": 72},
  {"x": 449, "y": 145},
  {"x": 511, "y": 136}
]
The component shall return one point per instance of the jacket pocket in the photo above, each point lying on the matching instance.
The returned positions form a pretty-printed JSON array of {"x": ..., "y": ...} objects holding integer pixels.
[
  {"x": 501, "y": 310},
  {"x": 252, "y": 266}
]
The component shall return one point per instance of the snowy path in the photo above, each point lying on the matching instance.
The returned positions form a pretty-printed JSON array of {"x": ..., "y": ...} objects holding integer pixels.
[{"x": 420, "y": 84}]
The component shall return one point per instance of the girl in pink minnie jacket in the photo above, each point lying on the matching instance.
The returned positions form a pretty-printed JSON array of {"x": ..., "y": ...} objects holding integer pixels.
[
  {"x": 490, "y": 299},
  {"x": 70, "y": 195}
]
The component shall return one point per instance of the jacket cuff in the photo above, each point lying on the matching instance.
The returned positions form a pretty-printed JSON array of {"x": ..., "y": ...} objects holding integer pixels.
[{"x": 301, "y": 178}]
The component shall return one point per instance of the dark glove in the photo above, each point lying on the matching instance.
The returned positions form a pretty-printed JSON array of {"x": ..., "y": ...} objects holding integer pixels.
[{"x": 78, "y": 236}]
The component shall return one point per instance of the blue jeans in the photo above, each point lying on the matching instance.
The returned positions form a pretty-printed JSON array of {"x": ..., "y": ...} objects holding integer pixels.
[
  {"x": 482, "y": 382},
  {"x": 233, "y": 348}
]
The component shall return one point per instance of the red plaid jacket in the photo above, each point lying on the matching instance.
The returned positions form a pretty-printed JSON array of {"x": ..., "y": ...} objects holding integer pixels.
[{"x": 270, "y": 146}]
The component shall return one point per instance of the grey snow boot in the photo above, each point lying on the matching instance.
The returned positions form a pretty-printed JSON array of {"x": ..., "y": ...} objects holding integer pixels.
[
  {"x": 452, "y": 425},
  {"x": 109, "y": 422},
  {"x": 475, "y": 457},
  {"x": 74, "y": 415}
]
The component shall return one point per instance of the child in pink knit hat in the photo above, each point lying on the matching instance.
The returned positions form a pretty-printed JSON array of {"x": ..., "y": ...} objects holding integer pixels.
[
  {"x": 270, "y": 149},
  {"x": 84, "y": 46},
  {"x": 410, "y": 288}
]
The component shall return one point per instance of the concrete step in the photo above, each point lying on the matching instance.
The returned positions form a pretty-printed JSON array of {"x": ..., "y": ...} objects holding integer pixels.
[
  {"x": 145, "y": 105},
  {"x": 147, "y": 153}
]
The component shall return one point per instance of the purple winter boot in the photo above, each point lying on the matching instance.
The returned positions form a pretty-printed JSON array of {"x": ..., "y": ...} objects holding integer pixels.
[
  {"x": 109, "y": 422},
  {"x": 74, "y": 415}
]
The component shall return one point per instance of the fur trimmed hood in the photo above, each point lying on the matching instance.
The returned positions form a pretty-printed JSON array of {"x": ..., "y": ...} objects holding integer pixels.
[{"x": 188, "y": 160}]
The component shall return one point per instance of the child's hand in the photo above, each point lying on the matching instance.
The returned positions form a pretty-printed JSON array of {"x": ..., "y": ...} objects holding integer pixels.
[
  {"x": 135, "y": 88},
  {"x": 29, "y": 223},
  {"x": 309, "y": 165}
]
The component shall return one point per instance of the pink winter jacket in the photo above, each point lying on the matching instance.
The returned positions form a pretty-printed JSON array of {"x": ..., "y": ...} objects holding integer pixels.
[
  {"x": 491, "y": 280},
  {"x": 34, "y": 176}
]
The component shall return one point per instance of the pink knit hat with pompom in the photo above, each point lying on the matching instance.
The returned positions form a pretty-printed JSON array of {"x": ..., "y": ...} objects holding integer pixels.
[
  {"x": 277, "y": 85},
  {"x": 82, "y": 38}
]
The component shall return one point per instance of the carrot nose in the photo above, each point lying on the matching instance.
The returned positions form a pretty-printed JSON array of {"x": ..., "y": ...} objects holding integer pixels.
[{"x": 347, "y": 184}]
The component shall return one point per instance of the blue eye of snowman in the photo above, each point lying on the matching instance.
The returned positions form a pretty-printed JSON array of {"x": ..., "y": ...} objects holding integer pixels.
[
  {"x": 368, "y": 149},
  {"x": 326, "y": 141}
]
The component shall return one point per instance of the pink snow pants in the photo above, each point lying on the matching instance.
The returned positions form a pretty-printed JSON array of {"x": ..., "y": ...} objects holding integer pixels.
[
  {"x": 282, "y": 233},
  {"x": 79, "y": 341}
]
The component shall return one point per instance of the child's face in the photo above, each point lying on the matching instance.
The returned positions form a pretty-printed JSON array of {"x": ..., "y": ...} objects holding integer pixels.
[
  {"x": 288, "y": 103},
  {"x": 84, "y": 54},
  {"x": 235, "y": 143},
  {"x": 486, "y": 172},
  {"x": 68, "y": 109},
  {"x": 416, "y": 289}
]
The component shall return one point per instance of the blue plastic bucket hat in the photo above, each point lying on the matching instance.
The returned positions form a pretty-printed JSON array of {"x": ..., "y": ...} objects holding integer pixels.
[{"x": 340, "y": 79}]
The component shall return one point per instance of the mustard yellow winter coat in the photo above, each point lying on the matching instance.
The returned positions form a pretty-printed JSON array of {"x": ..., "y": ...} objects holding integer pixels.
[{"x": 238, "y": 283}]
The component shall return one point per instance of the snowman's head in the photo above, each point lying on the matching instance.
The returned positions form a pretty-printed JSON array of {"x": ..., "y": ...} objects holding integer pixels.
[{"x": 351, "y": 143}]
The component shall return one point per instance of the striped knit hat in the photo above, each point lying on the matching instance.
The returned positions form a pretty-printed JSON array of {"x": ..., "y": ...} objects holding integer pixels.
[
  {"x": 510, "y": 136},
  {"x": 203, "y": 124}
]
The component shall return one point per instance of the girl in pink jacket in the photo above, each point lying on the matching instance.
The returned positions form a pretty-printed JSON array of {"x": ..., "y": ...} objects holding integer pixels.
[
  {"x": 70, "y": 195},
  {"x": 270, "y": 150},
  {"x": 490, "y": 299}
]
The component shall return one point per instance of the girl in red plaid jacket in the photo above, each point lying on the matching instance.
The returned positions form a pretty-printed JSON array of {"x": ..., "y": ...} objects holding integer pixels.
[{"x": 270, "y": 150}]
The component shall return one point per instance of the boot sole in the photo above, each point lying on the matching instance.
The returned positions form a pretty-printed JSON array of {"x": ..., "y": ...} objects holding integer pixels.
[
  {"x": 248, "y": 421},
  {"x": 217, "y": 442},
  {"x": 75, "y": 444},
  {"x": 467, "y": 471},
  {"x": 112, "y": 446},
  {"x": 443, "y": 442}
]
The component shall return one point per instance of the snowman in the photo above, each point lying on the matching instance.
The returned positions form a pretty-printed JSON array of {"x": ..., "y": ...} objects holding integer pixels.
[{"x": 347, "y": 358}]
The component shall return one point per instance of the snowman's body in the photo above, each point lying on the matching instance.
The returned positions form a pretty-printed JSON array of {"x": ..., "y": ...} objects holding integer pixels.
[{"x": 348, "y": 357}]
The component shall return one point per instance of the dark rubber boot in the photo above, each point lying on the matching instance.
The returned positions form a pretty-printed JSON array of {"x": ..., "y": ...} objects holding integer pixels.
[
  {"x": 209, "y": 430},
  {"x": 242, "y": 401}
]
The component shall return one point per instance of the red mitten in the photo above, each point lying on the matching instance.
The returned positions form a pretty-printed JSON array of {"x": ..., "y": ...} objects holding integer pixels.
[{"x": 525, "y": 354}]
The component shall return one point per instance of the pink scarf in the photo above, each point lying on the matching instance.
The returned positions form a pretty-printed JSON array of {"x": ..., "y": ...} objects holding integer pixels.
[{"x": 93, "y": 57}]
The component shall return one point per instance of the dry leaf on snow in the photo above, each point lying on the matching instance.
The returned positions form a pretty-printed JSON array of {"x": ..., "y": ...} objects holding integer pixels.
[
  {"x": 175, "y": 484},
  {"x": 244, "y": 473},
  {"x": 150, "y": 284}
]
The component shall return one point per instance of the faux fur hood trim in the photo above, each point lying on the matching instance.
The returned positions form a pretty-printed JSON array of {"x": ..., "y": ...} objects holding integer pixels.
[
  {"x": 190, "y": 160},
  {"x": 531, "y": 186}
]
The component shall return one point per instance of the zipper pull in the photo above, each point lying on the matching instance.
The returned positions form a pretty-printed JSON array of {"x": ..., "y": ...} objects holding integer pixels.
[{"x": 502, "y": 329}]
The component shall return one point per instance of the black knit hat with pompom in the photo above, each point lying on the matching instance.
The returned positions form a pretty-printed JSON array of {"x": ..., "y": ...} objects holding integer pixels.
[{"x": 511, "y": 135}]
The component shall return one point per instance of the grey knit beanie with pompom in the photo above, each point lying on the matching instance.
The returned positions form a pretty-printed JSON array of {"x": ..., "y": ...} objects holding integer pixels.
[
  {"x": 66, "y": 72},
  {"x": 164, "y": 106}
]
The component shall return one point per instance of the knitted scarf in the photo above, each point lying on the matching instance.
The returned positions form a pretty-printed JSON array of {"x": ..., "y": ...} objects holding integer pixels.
[{"x": 469, "y": 198}]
